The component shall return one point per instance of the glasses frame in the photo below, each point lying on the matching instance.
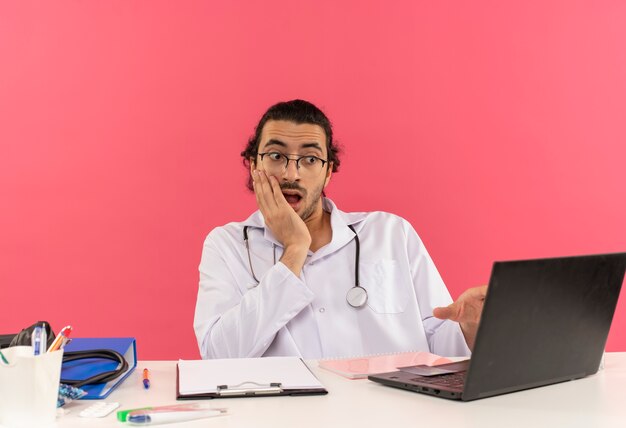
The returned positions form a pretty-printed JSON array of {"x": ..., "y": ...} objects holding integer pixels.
[{"x": 297, "y": 159}]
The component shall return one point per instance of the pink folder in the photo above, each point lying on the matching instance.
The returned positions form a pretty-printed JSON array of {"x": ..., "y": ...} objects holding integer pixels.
[{"x": 360, "y": 368}]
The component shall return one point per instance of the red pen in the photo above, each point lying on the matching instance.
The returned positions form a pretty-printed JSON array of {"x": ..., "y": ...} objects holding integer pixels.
[{"x": 146, "y": 379}]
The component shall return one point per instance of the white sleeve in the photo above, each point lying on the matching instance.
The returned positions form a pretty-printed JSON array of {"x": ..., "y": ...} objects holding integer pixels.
[
  {"x": 444, "y": 337},
  {"x": 230, "y": 324}
]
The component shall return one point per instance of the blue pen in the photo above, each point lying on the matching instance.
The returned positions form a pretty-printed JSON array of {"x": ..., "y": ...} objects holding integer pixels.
[{"x": 39, "y": 340}]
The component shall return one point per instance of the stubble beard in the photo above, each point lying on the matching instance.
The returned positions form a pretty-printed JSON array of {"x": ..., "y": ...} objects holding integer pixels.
[{"x": 315, "y": 200}]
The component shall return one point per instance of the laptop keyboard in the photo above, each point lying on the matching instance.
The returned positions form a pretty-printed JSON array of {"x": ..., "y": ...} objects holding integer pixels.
[{"x": 452, "y": 380}]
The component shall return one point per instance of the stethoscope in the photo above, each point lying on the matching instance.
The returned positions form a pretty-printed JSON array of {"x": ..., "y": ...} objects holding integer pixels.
[{"x": 356, "y": 296}]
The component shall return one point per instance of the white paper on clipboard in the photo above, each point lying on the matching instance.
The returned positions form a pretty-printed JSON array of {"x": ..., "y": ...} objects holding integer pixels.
[{"x": 204, "y": 376}]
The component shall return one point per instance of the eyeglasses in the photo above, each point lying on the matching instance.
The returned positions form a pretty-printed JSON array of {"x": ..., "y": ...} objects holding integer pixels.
[{"x": 278, "y": 162}]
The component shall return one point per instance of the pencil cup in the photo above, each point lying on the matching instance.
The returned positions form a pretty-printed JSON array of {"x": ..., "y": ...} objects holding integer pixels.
[{"x": 29, "y": 387}]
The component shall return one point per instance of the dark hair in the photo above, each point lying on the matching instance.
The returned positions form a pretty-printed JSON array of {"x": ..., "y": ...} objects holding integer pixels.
[{"x": 297, "y": 111}]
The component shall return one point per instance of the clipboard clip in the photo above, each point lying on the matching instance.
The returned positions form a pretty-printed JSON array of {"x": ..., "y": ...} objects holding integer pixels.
[{"x": 249, "y": 388}]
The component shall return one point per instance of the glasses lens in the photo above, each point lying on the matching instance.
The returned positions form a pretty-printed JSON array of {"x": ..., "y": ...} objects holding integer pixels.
[{"x": 275, "y": 162}]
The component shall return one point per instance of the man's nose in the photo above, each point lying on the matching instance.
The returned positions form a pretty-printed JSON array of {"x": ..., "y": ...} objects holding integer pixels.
[{"x": 291, "y": 172}]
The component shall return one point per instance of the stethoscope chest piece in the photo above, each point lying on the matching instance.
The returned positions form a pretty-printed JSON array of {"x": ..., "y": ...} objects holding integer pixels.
[{"x": 356, "y": 297}]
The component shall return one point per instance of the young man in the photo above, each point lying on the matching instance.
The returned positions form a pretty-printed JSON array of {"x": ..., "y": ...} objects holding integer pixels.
[{"x": 284, "y": 281}]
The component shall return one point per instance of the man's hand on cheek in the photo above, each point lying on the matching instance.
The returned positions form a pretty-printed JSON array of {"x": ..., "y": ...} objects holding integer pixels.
[{"x": 286, "y": 225}]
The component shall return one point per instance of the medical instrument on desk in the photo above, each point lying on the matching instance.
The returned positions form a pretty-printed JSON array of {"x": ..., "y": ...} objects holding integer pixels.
[
  {"x": 356, "y": 296},
  {"x": 122, "y": 415},
  {"x": 25, "y": 336},
  {"x": 168, "y": 414},
  {"x": 107, "y": 354}
]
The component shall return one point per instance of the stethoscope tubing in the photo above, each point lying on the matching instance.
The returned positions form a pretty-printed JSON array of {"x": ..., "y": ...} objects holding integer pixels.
[{"x": 356, "y": 296}]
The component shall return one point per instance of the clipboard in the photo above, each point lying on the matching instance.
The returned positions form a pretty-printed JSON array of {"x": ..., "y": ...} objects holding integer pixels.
[{"x": 245, "y": 377}]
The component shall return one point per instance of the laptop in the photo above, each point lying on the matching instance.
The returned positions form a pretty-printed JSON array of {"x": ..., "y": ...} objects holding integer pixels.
[{"x": 544, "y": 321}]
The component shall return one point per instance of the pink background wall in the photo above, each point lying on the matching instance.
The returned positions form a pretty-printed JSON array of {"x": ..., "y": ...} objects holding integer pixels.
[{"x": 497, "y": 128}]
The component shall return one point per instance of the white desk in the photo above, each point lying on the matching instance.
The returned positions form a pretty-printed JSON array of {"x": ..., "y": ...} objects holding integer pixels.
[{"x": 596, "y": 401}]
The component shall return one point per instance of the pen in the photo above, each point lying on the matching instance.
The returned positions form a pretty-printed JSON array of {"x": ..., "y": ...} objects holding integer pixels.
[
  {"x": 146, "y": 379},
  {"x": 173, "y": 416},
  {"x": 38, "y": 339},
  {"x": 64, "y": 342},
  {"x": 58, "y": 341},
  {"x": 4, "y": 360}
]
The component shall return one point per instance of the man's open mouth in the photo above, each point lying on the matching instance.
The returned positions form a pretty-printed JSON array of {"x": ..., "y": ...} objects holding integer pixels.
[{"x": 292, "y": 198}]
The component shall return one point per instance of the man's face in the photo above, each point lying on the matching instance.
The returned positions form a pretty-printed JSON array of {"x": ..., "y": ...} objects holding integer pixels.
[{"x": 303, "y": 186}]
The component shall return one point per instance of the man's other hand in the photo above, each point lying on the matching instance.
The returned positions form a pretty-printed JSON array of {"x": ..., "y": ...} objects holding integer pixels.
[{"x": 466, "y": 311}]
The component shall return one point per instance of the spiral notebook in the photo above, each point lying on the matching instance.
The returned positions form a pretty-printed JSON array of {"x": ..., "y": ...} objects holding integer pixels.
[{"x": 360, "y": 368}]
